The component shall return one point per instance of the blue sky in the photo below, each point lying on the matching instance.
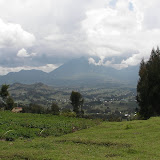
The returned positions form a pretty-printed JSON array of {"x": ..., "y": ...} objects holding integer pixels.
[{"x": 113, "y": 3}]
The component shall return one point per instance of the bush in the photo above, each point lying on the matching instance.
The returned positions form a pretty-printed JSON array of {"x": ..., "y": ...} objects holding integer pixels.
[
  {"x": 69, "y": 114},
  {"x": 33, "y": 108},
  {"x": 54, "y": 109}
]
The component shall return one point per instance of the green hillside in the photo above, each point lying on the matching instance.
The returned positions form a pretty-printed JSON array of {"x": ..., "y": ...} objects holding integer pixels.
[{"x": 109, "y": 140}]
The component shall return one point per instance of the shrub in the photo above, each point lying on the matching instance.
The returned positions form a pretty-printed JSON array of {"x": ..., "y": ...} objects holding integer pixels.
[{"x": 69, "y": 114}]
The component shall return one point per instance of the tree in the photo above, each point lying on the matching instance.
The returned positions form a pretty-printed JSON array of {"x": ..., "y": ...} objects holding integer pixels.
[
  {"x": 4, "y": 91},
  {"x": 9, "y": 103},
  {"x": 7, "y": 100},
  {"x": 148, "y": 87},
  {"x": 34, "y": 108},
  {"x": 55, "y": 109},
  {"x": 77, "y": 102}
]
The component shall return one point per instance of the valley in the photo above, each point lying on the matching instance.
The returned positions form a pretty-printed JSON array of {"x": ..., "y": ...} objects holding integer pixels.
[
  {"x": 98, "y": 101},
  {"x": 108, "y": 93}
]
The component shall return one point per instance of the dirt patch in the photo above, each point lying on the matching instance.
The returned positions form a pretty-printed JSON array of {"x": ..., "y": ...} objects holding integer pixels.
[
  {"x": 107, "y": 144},
  {"x": 112, "y": 155},
  {"x": 21, "y": 157}
]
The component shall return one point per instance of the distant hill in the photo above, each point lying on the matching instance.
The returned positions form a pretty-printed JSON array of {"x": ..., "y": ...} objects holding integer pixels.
[
  {"x": 74, "y": 72},
  {"x": 32, "y": 93},
  {"x": 24, "y": 76}
]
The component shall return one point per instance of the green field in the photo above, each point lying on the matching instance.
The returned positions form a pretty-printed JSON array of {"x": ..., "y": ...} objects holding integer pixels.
[
  {"x": 24, "y": 125},
  {"x": 108, "y": 140}
]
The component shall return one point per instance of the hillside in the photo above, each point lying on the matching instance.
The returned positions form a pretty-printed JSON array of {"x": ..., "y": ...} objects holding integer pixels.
[
  {"x": 109, "y": 140},
  {"x": 103, "y": 100},
  {"x": 32, "y": 93}
]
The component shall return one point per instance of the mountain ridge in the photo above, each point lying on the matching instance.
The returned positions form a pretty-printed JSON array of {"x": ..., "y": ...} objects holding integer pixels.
[{"x": 74, "y": 72}]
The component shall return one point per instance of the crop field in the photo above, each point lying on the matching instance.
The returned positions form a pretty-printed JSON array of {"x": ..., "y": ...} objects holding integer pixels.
[
  {"x": 13, "y": 126},
  {"x": 129, "y": 140}
]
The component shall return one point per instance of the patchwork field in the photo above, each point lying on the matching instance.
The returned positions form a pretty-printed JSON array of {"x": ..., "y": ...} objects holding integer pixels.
[
  {"x": 101, "y": 100},
  {"x": 135, "y": 140}
]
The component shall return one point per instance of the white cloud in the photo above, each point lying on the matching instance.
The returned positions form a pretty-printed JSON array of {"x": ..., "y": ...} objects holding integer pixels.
[
  {"x": 108, "y": 63},
  {"x": 91, "y": 61},
  {"x": 119, "y": 30},
  {"x": 108, "y": 30},
  {"x": 133, "y": 60},
  {"x": 45, "y": 68},
  {"x": 23, "y": 53},
  {"x": 100, "y": 62},
  {"x": 48, "y": 67},
  {"x": 13, "y": 35}
]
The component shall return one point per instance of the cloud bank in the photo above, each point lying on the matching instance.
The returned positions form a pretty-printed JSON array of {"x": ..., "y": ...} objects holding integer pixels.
[
  {"x": 47, "y": 68},
  {"x": 37, "y": 33},
  {"x": 23, "y": 53},
  {"x": 13, "y": 35}
]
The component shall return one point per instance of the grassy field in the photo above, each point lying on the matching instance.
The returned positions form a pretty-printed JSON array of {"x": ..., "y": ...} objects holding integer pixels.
[{"x": 135, "y": 140}]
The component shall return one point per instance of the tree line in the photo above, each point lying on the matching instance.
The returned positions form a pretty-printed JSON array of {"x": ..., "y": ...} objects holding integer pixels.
[{"x": 148, "y": 87}]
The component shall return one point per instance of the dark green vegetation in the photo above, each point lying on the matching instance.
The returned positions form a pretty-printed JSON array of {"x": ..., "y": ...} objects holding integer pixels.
[
  {"x": 6, "y": 100},
  {"x": 4, "y": 91},
  {"x": 105, "y": 101},
  {"x": 77, "y": 102},
  {"x": 110, "y": 140},
  {"x": 26, "y": 125},
  {"x": 55, "y": 109},
  {"x": 148, "y": 88}
]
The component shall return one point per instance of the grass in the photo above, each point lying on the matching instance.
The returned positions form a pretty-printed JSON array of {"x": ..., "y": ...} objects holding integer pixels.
[{"x": 132, "y": 140}]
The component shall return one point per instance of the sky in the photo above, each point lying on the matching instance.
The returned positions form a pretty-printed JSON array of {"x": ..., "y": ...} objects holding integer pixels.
[{"x": 36, "y": 34}]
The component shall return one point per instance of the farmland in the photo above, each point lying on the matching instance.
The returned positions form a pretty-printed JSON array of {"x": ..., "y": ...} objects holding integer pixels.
[
  {"x": 97, "y": 100},
  {"x": 108, "y": 140},
  {"x": 13, "y": 126}
]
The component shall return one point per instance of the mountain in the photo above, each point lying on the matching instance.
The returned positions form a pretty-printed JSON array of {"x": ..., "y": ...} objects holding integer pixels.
[
  {"x": 24, "y": 76},
  {"x": 76, "y": 72},
  {"x": 80, "y": 70}
]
